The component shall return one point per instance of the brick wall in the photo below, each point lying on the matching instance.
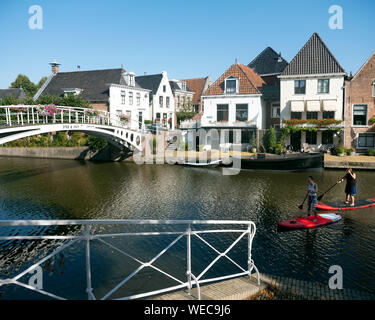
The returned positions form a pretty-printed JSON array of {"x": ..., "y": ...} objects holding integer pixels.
[
  {"x": 359, "y": 91},
  {"x": 100, "y": 106}
]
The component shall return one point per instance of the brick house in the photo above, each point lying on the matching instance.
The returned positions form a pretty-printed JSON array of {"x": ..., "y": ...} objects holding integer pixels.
[
  {"x": 198, "y": 86},
  {"x": 113, "y": 90},
  {"x": 269, "y": 65},
  {"x": 360, "y": 108}
]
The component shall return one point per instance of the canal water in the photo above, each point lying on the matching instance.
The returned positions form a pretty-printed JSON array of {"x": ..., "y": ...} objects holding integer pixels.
[{"x": 59, "y": 189}]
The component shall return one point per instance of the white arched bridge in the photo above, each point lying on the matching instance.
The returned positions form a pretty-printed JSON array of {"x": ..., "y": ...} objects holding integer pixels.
[{"x": 21, "y": 121}]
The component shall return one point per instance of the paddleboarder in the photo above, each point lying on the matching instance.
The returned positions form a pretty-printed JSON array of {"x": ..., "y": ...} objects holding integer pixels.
[
  {"x": 350, "y": 188},
  {"x": 312, "y": 191}
]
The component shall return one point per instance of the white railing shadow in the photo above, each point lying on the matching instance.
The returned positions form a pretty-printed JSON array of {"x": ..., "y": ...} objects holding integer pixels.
[{"x": 88, "y": 234}]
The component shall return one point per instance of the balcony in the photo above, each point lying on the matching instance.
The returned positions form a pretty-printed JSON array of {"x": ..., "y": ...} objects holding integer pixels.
[{"x": 314, "y": 123}]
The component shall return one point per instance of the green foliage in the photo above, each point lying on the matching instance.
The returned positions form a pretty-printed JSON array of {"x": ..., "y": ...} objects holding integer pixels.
[
  {"x": 147, "y": 122},
  {"x": 340, "y": 149},
  {"x": 349, "y": 151},
  {"x": 184, "y": 115},
  {"x": 22, "y": 81},
  {"x": 370, "y": 152},
  {"x": 270, "y": 140},
  {"x": 284, "y": 133},
  {"x": 372, "y": 120},
  {"x": 95, "y": 143}
]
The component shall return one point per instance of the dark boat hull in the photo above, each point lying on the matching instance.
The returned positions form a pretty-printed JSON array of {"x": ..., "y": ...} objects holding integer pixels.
[{"x": 284, "y": 163}]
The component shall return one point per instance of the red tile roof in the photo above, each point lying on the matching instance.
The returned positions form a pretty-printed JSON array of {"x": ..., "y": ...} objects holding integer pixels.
[
  {"x": 197, "y": 86},
  {"x": 249, "y": 80}
]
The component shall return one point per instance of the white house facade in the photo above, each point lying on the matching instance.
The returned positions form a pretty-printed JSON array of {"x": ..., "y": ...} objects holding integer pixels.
[
  {"x": 130, "y": 100},
  {"x": 312, "y": 97},
  {"x": 161, "y": 98},
  {"x": 234, "y": 102}
]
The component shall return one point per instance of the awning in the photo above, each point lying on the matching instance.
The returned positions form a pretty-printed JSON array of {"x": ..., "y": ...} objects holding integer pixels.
[
  {"x": 313, "y": 105},
  {"x": 297, "y": 106},
  {"x": 330, "y": 105}
]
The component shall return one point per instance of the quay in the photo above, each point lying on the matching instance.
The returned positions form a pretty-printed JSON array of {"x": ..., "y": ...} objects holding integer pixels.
[
  {"x": 355, "y": 162},
  {"x": 271, "y": 287}
]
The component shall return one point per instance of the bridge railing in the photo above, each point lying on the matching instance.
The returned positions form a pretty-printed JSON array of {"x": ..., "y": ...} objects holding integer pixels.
[
  {"x": 89, "y": 232},
  {"x": 20, "y": 115}
]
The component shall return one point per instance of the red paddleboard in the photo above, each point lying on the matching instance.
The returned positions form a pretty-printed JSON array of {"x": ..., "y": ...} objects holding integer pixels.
[
  {"x": 308, "y": 223},
  {"x": 338, "y": 206}
]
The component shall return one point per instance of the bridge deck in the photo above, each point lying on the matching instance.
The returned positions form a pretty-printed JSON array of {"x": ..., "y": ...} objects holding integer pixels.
[{"x": 232, "y": 289}]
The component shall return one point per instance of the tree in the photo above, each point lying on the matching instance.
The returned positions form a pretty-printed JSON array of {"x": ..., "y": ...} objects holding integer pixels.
[
  {"x": 41, "y": 82},
  {"x": 24, "y": 82},
  {"x": 270, "y": 140}
]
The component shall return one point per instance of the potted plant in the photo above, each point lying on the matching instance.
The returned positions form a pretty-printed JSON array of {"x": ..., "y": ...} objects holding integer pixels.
[
  {"x": 372, "y": 120},
  {"x": 350, "y": 152},
  {"x": 340, "y": 151},
  {"x": 278, "y": 148}
]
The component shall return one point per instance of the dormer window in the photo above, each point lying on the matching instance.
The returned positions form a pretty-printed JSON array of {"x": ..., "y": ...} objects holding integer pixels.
[
  {"x": 183, "y": 86},
  {"x": 231, "y": 85},
  {"x": 73, "y": 91},
  {"x": 130, "y": 79}
]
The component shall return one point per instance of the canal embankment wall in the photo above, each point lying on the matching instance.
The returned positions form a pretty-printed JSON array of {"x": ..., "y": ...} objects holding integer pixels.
[
  {"x": 355, "y": 162},
  {"x": 109, "y": 153}
]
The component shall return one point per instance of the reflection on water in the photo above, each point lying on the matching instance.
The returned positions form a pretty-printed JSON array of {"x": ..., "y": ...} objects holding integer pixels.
[{"x": 58, "y": 189}]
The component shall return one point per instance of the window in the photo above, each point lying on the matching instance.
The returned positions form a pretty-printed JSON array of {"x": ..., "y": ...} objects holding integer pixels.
[
  {"x": 299, "y": 86},
  {"x": 323, "y": 86},
  {"x": 138, "y": 99},
  {"x": 222, "y": 112},
  {"x": 328, "y": 114},
  {"x": 157, "y": 115},
  {"x": 161, "y": 102},
  {"x": 183, "y": 86},
  {"x": 131, "y": 81},
  {"x": 164, "y": 88},
  {"x": 296, "y": 115},
  {"x": 366, "y": 140},
  {"x": 131, "y": 98},
  {"x": 178, "y": 101},
  {"x": 327, "y": 137},
  {"x": 311, "y": 115},
  {"x": 275, "y": 110},
  {"x": 183, "y": 100},
  {"x": 241, "y": 112},
  {"x": 167, "y": 102},
  {"x": 373, "y": 88},
  {"x": 122, "y": 96},
  {"x": 231, "y": 85},
  {"x": 359, "y": 115},
  {"x": 311, "y": 137}
]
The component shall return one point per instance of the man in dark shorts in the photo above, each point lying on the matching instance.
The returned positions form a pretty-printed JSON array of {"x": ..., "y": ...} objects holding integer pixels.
[{"x": 350, "y": 188}]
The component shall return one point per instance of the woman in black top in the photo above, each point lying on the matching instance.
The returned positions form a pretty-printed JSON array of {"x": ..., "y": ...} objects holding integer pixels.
[{"x": 350, "y": 188}]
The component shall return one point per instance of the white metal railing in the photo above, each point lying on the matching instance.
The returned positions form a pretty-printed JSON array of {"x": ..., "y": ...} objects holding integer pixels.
[
  {"x": 20, "y": 115},
  {"x": 88, "y": 234}
]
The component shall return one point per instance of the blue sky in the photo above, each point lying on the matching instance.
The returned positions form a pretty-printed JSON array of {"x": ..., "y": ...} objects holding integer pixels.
[{"x": 187, "y": 38}]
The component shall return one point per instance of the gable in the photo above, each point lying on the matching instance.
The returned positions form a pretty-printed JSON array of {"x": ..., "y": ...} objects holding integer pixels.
[
  {"x": 268, "y": 62},
  {"x": 313, "y": 58},
  {"x": 249, "y": 81}
]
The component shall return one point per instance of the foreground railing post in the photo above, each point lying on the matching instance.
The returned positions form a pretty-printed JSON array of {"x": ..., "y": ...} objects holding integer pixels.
[
  {"x": 88, "y": 265},
  {"x": 188, "y": 259},
  {"x": 250, "y": 261}
]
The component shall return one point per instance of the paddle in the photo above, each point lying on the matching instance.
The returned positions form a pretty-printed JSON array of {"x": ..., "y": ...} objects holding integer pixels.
[
  {"x": 322, "y": 195},
  {"x": 301, "y": 205}
]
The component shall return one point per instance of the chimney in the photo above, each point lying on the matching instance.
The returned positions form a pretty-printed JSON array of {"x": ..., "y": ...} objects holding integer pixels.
[
  {"x": 55, "y": 66},
  {"x": 78, "y": 68}
]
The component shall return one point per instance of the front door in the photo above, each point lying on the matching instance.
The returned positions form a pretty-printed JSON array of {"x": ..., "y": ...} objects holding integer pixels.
[
  {"x": 140, "y": 120},
  {"x": 295, "y": 140}
]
